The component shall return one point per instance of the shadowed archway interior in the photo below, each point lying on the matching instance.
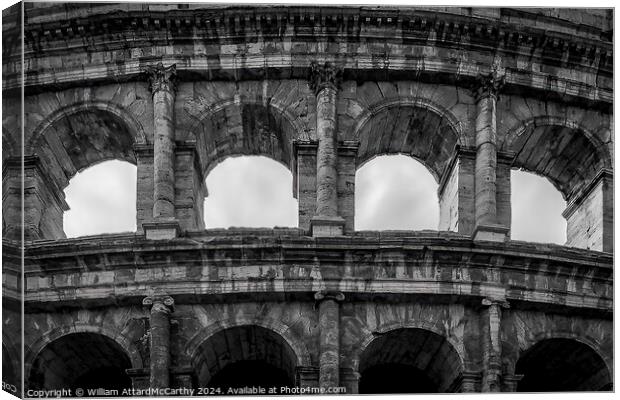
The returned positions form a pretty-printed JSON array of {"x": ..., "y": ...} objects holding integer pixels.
[
  {"x": 415, "y": 131},
  {"x": 562, "y": 365},
  {"x": 243, "y": 356},
  {"x": 409, "y": 361},
  {"x": 566, "y": 156},
  {"x": 85, "y": 360}
]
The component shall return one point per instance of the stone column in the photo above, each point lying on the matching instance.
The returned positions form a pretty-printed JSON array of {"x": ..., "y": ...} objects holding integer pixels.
[
  {"x": 329, "y": 337},
  {"x": 160, "y": 307},
  {"x": 486, "y": 90},
  {"x": 324, "y": 81},
  {"x": 162, "y": 81},
  {"x": 492, "y": 345}
]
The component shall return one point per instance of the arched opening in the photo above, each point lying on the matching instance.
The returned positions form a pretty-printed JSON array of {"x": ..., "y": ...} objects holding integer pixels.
[
  {"x": 563, "y": 153},
  {"x": 102, "y": 199},
  {"x": 245, "y": 356},
  {"x": 409, "y": 361},
  {"x": 84, "y": 360},
  {"x": 536, "y": 209},
  {"x": 558, "y": 365},
  {"x": 70, "y": 141},
  {"x": 395, "y": 192},
  {"x": 250, "y": 191}
]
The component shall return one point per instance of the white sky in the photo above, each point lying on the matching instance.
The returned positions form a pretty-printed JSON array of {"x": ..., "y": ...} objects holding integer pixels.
[{"x": 392, "y": 192}]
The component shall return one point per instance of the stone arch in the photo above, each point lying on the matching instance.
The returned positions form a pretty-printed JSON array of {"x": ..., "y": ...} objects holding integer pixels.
[
  {"x": 428, "y": 358},
  {"x": 563, "y": 151},
  {"x": 117, "y": 336},
  {"x": 237, "y": 117},
  {"x": 550, "y": 353},
  {"x": 251, "y": 350},
  {"x": 368, "y": 336},
  {"x": 561, "y": 334},
  {"x": 114, "y": 109},
  {"x": 64, "y": 148},
  {"x": 300, "y": 349},
  {"x": 413, "y": 122}
]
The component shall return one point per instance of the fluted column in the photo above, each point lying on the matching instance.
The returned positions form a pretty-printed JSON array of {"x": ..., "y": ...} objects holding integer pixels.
[
  {"x": 160, "y": 307},
  {"x": 162, "y": 82},
  {"x": 329, "y": 337},
  {"x": 486, "y": 90},
  {"x": 492, "y": 345},
  {"x": 325, "y": 80}
]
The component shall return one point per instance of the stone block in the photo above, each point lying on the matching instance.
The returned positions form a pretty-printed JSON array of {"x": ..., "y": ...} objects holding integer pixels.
[{"x": 589, "y": 215}]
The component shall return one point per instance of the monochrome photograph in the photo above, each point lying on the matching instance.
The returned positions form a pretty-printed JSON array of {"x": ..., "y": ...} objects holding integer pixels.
[{"x": 224, "y": 199}]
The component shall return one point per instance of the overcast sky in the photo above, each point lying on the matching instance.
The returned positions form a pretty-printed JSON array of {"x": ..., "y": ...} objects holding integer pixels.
[{"x": 392, "y": 192}]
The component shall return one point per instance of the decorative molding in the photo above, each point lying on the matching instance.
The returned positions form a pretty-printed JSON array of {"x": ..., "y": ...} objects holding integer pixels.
[
  {"x": 162, "y": 78},
  {"x": 159, "y": 303},
  {"x": 489, "y": 84},
  {"x": 324, "y": 76},
  {"x": 329, "y": 295}
]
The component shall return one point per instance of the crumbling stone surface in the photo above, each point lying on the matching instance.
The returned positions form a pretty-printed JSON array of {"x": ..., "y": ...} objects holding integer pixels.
[{"x": 470, "y": 92}]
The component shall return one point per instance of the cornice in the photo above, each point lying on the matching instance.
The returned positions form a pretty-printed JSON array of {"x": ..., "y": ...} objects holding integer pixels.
[{"x": 406, "y": 26}]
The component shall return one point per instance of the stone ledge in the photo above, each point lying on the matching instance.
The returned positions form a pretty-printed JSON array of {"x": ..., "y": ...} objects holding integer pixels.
[
  {"x": 323, "y": 226},
  {"x": 491, "y": 232},
  {"x": 161, "y": 230}
]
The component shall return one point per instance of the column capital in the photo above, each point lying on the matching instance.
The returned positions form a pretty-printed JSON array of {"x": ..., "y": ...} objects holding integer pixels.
[
  {"x": 329, "y": 295},
  {"x": 159, "y": 303},
  {"x": 324, "y": 76},
  {"x": 162, "y": 78},
  {"x": 487, "y": 302},
  {"x": 490, "y": 84}
]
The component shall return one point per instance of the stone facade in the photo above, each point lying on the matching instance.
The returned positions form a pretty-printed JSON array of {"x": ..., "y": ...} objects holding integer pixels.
[{"x": 175, "y": 89}]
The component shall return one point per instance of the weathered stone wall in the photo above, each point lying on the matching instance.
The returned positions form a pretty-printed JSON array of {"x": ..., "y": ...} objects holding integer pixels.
[{"x": 471, "y": 93}]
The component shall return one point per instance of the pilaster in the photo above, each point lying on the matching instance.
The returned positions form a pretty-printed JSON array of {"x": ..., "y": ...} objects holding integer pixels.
[
  {"x": 139, "y": 378},
  {"x": 347, "y": 156},
  {"x": 350, "y": 379},
  {"x": 590, "y": 215},
  {"x": 190, "y": 187},
  {"x": 307, "y": 376},
  {"x": 43, "y": 200},
  {"x": 456, "y": 193},
  {"x": 144, "y": 183},
  {"x": 491, "y": 344},
  {"x": 503, "y": 190},
  {"x": 160, "y": 308},
  {"x": 329, "y": 337},
  {"x": 304, "y": 180}
]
